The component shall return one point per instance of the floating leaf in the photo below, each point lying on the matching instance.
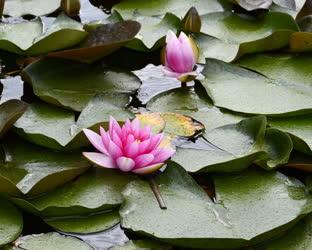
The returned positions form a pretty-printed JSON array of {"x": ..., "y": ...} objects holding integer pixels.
[
  {"x": 153, "y": 30},
  {"x": 299, "y": 237},
  {"x": 50, "y": 241},
  {"x": 33, "y": 7},
  {"x": 265, "y": 4},
  {"x": 142, "y": 244},
  {"x": 30, "y": 38},
  {"x": 10, "y": 111},
  {"x": 74, "y": 84},
  {"x": 103, "y": 40},
  {"x": 56, "y": 128},
  {"x": 128, "y": 8},
  {"x": 245, "y": 91},
  {"x": 239, "y": 35},
  {"x": 11, "y": 222},
  {"x": 96, "y": 191},
  {"x": 36, "y": 170},
  {"x": 236, "y": 219},
  {"x": 85, "y": 224}
]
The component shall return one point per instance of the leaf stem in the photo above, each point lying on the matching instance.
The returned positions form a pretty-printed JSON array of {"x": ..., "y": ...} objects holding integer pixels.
[
  {"x": 155, "y": 188},
  {"x": 183, "y": 84}
]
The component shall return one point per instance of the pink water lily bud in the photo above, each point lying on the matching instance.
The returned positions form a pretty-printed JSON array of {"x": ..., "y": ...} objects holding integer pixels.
[
  {"x": 180, "y": 56},
  {"x": 129, "y": 148}
]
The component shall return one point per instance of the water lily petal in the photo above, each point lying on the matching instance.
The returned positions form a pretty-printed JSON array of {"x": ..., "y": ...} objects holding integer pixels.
[
  {"x": 143, "y": 160},
  {"x": 95, "y": 140},
  {"x": 148, "y": 169},
  {"x": 105, "y": 137},
  {"x": 174, "y": 57},
  {"x": 125, "y": 164},
  {"x": 163, "y": 154},
  {"x": 114, "y": 126},
  {"x": 132, "y": 150},
  {"x": 188, "y": 56},
  {"x": 100, "y": 159},
  {"x": 113, "y": 150}
]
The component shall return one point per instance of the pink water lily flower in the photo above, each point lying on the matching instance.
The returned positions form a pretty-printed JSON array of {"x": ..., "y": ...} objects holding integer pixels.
[
  {"x": 180, "y": 56},
  {"x": 129, "y": 148}
]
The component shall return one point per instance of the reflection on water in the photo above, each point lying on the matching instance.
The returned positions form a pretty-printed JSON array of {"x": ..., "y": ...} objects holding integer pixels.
[{"x": 104, "y": 240}]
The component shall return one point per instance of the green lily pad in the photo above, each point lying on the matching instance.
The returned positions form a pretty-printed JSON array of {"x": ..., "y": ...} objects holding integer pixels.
[
  {"x": 299, "y": 237},
  {"x": 299, "y": 128},
  {"x": 50, "y": 241},
  {"x": 153, "y": 31},
  {"x": 96, "y": 191},
  {"x": 265, "y": 4},
  {"x": 74, "y": 84},
  {"x": 242, "y": 90},
  {"x": 142, "y": 244},
  {"x": 10, "y": 111},
  {"x": 194, "y": 103},
  {"x": 246, "y": 139},
  {"x": 102, "y": 41},
  {"x": 226, "y": 36},
  {"x": 235, "y": 219},
  {"x": 35, "y": 170},
  {"x": 33, "y": 7},
  {"x": 85, "y": 224},
  {"x": 11, "y": 222},
  {"x": 128, "y": 8},
  {"x": 29, "y": 37},
  {"x": 301, "y": 42},
  {"x": 56, "y": 128}
]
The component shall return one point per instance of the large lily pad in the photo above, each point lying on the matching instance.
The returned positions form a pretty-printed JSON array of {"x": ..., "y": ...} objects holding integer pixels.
[
  {"x": 31, "y": 39},
  {"x": 103, "y": 40},
  {"x": 74, "y": 84},
  {"x": 36, "y": 170},
  {"x": 238, "y": 35},
  {"x": 236, "y": 219},
  {"x": 56, "y": 128},
  {"x": 10, "y": 111},
  {"x": 128, "y": 8},
  {"x": 96, "y": 191},
  {"x": 298, "y": 237},
  {"x": 246, "y": 146},
  {"x": 33, "y": 7},
  {"x": 11, "y": 222},
  {"x": 245, "y": 91},
  {"x": 50, "y": 241},
  {"x": 85, "y": 224},
  {"x": 299, "y": 127}
]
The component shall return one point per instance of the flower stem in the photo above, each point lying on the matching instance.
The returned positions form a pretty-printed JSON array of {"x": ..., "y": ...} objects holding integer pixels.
[
  {"x": 183, "y": 84},
  {"x": 156, "y": 191}
]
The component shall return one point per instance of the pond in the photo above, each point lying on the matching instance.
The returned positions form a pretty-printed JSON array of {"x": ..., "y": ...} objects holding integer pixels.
[{"x": 161, "y": 124}]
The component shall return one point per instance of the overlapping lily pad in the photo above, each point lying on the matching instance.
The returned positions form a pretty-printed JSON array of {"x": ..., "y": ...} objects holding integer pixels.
[
  {"x": 74, "y": 84},
  {"x": 245, "y": 91},
  {"x": 10, "y": 111},
  {"x": 50, "y": 241},
  {"x": 226, "y": 36},
  {"x": 56, "y": 128},
  {"x": 34, "y": 170},
  {"x": 128, "y": 8},
  {"x": 103, "y": 40},
  {"x": 236, "y": 219},
  {"x": 11, "y": 222},
  {"x": 31, "y": 39}
]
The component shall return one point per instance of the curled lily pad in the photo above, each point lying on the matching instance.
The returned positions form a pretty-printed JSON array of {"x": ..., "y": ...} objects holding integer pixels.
[
  {"x": 31, "y": 39},
  {"x": 103, "y": 40},
  {"x": 226, "y": 36},
  {"x": 35, "y": 170},
  {"x": 10, "y": 111},
  {"x": 74, "y": 84},
  {"x": 11, "y": 222},
  {"x": 228, "y": 222},
  {"x": 56, "y": 128}
]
